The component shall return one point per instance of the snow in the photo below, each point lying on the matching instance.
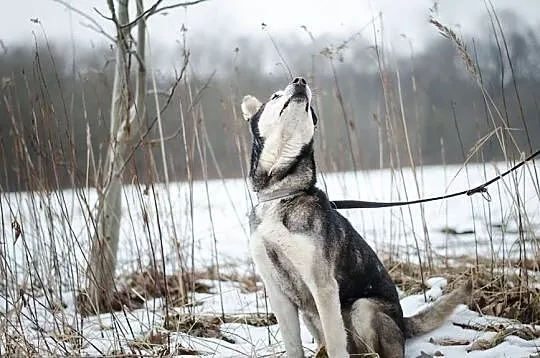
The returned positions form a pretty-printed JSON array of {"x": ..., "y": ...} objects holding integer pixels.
[
  {"x": 51, "y": 254},
  {"x": 101, "y": 332}
]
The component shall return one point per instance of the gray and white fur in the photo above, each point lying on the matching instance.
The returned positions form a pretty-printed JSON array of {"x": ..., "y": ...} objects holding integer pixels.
[{"x": 311, "y": 259}]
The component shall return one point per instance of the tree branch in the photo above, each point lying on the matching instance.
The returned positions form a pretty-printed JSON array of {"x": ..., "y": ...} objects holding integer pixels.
[
  {"x": 196, "y": 100},
  {"x": 94, "y": 24},
  {"x": 98, "y": 30},
  {"x": 152, "y": 10},
  {"x": 146, "y": 13},
  {"x": 161, "y": 110},
  {"x": 174, "y": 6}
]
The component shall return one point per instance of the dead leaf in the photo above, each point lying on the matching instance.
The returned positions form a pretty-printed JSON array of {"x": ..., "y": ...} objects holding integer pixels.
[
  {"x": 480, "y": 345},
  {"x": 450, "y": 342}
]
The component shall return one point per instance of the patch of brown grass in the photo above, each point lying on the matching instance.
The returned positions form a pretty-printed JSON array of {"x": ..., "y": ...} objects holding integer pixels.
[
  {"x": 158, "y": 343},
  {"x": 196, "y": 326},
  {"x": 208, "y": 326},
  {"x": 503, "y": 331},
  {"x": 511, "y": 293},
  {"x": 137, "y": 287},
  {"x": 18, "y": 346},
  {"x": 120, "y": 300}
]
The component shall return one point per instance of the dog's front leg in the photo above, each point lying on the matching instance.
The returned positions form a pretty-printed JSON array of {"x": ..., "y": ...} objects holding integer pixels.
[
  {"x": 326, "y": 295},
  {"x": 287, "y": 316}
]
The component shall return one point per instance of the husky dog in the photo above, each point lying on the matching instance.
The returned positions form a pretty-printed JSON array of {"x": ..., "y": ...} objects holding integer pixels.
[{"x": 310, "y": 257}]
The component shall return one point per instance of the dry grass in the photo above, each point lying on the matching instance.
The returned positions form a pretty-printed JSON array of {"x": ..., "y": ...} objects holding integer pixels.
[
  {"x": 137, "y": 287},
  {"x": 208, "y": 325},
  {"x": 511, "y": 294},
  {"x": 461, "y": 48},
  {"x": 158, "y": 343}
]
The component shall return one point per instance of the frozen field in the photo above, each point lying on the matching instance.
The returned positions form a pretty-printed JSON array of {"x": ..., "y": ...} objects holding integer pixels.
[{"x": 45, "y": 239}]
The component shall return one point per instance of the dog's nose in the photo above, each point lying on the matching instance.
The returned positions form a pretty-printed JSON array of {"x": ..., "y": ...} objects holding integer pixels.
[{"x": 299, "y": 81}]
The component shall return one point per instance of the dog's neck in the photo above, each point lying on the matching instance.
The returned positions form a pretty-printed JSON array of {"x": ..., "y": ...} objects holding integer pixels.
[{"x": 299, "y": 176}]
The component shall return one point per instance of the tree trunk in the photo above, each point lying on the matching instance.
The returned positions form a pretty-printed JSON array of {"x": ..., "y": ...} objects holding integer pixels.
[{"x": 124, "y": 124}]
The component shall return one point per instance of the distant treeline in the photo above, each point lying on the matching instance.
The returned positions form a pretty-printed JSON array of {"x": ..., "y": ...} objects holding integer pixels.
[{"x": 54, "y": 112}]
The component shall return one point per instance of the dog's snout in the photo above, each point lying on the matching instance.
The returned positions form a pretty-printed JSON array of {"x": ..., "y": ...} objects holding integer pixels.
[{"x": 299, "y": 81}]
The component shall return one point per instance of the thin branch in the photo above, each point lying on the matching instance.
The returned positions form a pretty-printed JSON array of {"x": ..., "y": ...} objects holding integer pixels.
[
  {"x": 184, "y": 4},
  {"x": 94, "y": 24},
  {"x": 4, "y": 47},
  {"x": 161, "y": 110},
  {"x": 276, "y": 47},
  {"x": 95, "y": 29},
  {"x": 196, "y": 100},
  {"x": 152, "y": 10},
  {"x": 146, "y": 13},
  {"x": 113, "y": 18}
]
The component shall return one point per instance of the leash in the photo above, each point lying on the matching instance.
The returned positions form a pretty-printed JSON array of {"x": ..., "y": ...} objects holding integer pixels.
[{"x": 358, "y": 204}]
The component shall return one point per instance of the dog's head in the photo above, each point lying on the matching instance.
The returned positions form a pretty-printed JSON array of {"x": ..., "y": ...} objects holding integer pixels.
[{"x": 282, "y": 128}]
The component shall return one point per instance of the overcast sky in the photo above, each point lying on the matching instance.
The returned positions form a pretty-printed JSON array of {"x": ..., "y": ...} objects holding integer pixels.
[{"x": 234, "y": 18}]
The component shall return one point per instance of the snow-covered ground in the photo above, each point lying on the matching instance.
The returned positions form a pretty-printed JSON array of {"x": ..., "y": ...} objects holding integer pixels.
[
  {"x": 63, "y": 332},
  {"x": 45, "y": 240}
]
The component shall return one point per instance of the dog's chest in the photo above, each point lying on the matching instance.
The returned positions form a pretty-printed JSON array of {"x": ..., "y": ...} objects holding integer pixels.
[{"x": 284, "y": 259}]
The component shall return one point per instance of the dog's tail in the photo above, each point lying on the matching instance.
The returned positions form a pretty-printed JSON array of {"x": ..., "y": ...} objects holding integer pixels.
[{"x": 435, "y": 315}]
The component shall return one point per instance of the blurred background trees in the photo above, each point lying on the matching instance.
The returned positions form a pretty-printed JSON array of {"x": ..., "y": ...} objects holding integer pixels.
[{"x": 59, "y": 105}]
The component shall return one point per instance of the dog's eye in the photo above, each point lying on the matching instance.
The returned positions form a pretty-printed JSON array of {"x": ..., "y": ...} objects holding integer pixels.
[{"x": 275, "y": 95}]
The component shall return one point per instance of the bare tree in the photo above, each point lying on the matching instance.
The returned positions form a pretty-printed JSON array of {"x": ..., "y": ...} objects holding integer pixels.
[{"x": 125, "y": 122}]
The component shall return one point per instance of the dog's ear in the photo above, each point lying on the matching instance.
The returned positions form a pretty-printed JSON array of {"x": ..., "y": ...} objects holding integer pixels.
[{"x": 250, "y": 106}]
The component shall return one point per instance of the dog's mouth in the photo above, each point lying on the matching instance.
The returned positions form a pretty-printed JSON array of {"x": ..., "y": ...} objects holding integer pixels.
[{"x": 299, "y": 94}]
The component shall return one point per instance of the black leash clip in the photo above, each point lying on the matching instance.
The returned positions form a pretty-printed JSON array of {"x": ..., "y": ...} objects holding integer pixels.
[{"x": 482, "y": 190}]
